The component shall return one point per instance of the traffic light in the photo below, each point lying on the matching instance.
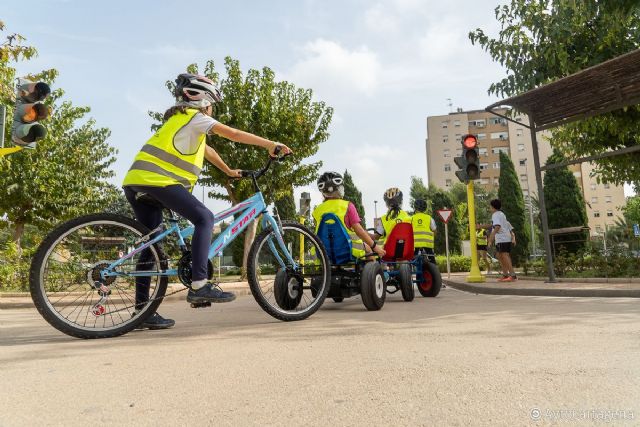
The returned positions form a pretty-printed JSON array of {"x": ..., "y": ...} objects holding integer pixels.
[
  {"x": 469, "y": 162},
  {"x": 26, "y": 130}
]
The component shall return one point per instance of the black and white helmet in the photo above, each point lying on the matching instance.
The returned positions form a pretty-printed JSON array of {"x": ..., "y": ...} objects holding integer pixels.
[
  {"x": 393, "y": 197},
  {"x": 196, "y": 91},
  {"x": 331, "y": 182},
  {"x": 420, "y": 205}
]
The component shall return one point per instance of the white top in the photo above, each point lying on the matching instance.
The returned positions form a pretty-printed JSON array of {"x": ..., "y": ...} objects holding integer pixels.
[
  {"x": 504, "y": 234},
  {"x": 187, "y": 140}
]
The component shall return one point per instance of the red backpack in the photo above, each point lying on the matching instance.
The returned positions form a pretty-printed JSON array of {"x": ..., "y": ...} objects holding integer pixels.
[{"x": 399, "y": 244}]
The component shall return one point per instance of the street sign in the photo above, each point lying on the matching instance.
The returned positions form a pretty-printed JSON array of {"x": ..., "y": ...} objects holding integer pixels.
[
  {"x": 636, "y": 230},
  {"x": 445, "y": 214}
]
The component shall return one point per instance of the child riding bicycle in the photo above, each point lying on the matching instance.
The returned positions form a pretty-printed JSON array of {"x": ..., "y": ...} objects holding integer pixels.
[{"x": 167, "y": 168}]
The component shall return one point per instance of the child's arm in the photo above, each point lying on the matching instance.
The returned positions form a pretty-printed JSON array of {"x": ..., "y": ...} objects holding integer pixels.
[
  {"x": 366, "y": 238},
  {"x": 213, "y": 157},
  {"x": 248, "y": 138}
]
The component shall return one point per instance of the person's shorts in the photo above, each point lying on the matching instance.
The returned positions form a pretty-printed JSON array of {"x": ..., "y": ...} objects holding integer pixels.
[
  {"x": 482, "y": 247},
  {"x": 503, "y": 247}
]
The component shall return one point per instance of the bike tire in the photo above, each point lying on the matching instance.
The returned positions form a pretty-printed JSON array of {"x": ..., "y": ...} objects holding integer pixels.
[
  {"x": 406, "y": 283},
  {"x": 254, "y": 281},
  {"x": 41, "y": 300}
]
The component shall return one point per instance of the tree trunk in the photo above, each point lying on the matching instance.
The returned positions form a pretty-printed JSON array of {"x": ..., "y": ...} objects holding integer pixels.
[
  {"x": 249, "y": 237},
  {"x": 17, "y": 236}
]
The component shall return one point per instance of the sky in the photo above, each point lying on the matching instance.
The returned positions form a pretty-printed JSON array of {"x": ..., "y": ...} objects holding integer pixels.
[{"x": 384, "y": 66}]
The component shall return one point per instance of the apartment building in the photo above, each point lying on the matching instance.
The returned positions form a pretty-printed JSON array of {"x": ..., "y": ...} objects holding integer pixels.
[{"x": 496, "y": 135}]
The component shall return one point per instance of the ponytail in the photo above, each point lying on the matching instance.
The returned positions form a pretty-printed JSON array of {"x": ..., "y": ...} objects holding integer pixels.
[{"x": 182, "y": 109}]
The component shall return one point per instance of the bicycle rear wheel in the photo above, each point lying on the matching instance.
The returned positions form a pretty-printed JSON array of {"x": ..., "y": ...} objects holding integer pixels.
[
  {"x": 289, "y": 293},
  {"x": 65, "y": 276}
]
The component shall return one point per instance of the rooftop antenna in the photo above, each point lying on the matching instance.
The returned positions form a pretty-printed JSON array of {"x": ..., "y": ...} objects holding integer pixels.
[{"x": 450, "y": 104}]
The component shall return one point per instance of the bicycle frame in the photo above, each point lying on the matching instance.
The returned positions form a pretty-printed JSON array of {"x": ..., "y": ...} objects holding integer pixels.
[{"x": 249, "y": 210}]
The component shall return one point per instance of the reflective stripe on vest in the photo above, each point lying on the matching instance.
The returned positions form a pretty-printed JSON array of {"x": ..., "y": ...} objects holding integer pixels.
[
  {"x": 339, "y": 207},
  {"x": 160, "y": 164},
  {"x": 481, "y": 237},
  {"x": 423, "y": 237},
  {"x": 389, "y": 223}
]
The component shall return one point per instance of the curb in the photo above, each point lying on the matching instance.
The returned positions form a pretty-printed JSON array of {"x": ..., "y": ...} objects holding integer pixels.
[
  {"x": 11, "y": 300},
  {"x": 543, "y": 292}
]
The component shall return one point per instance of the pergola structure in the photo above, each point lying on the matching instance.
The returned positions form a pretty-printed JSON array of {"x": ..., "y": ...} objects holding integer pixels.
[{"x": 605, "y": 87}]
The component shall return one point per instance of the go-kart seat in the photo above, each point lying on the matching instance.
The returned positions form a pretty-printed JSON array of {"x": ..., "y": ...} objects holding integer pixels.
[
  {"x": 336, "y": 239},
  {"x": 399, "y": 243}
]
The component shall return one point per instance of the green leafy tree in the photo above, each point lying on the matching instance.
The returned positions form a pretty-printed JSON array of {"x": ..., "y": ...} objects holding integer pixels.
[
  {"x": 352, "y": 194},
  {"x": 565, "y": 203},
  {"x": 66, "y": 175},
  {"x": 510, "y": 195},
  {"x": 632, "y": 210},
  {"x": 286, "y": 206},
  {"x": 255, "y": 102},
  {"x": 543, "y": 40},
  {"x": 438, "y": 199}
]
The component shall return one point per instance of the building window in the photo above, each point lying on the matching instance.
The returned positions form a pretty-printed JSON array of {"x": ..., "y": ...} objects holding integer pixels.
[
  {"x": 525, "y": 193},
  {"x": 496, "y": 181},
  {"x": 520, "y": 147},
  {"x": 519, "y": 119},
  {"x": 607, "y": 199},
  {"x": 596, "y": 214},
  {"x": 447, "y": 167},
  {"x": 498, "y": 121},
  {"x": 458, "y": 137},
  {"x": 593, "y": 187},
  {"x": 484, "y": 166},
  {"x": 594, "y": 200},
  {"x": 481, "y": 136},
  {"x": 446, "y": 153},
  {"x": 598, "y": 229},
  {"x": 445, "y": 139},
  {"x": 523, "y": 162},
  {"x": 609, "y": 213},
  {"x": 483, "y": 152},
  {"x": 523, "y": 177},
  {"x": 484, "y": 181},
  {"x": 502, "y": 136},
  {"x": 447, "y": 183},
  {"x": 496, "y": 165},
  {"x": 477, "y": 123},
  {"x": 456, "y": 123},
  {"x": 519, "y": 132},
  {"x": 496, "y": 150},
  {"x": 459, "y": 152},
  {"x": 607, "y": 186},
  {"x": 445, "y": 124}
]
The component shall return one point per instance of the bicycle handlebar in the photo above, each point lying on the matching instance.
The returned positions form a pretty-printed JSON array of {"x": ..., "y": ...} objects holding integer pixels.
[{"x": 258, "y": 173}]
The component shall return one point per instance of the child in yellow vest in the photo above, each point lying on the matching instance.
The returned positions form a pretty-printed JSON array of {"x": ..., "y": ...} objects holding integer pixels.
[
  {"x": 331, "y": 186},
  {"x": 393, "y": 199}
]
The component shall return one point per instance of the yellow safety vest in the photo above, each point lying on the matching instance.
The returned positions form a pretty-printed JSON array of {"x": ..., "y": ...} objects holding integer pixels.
[
  {"x": 389, "y": 223},
  {"x": 481, "y": 237},
  {"x": 160, "y": 164},
  {"x": 423, "y": 237},
  {"x": 339, "y": 208}
]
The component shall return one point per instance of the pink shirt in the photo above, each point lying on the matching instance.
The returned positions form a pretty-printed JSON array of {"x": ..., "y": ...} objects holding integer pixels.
[{"x": 351, "y": 216}]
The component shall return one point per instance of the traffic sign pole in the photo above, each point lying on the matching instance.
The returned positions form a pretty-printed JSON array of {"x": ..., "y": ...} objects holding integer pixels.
[{"x": 445, "y": 214}]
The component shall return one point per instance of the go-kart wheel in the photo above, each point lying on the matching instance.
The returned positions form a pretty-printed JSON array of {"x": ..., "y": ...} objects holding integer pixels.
[
  {"x": 372, "y": 286},
  {"x": 338, "y": 299},
  {"x": 431, "y": 282},
  {"x": 287, "y": 290},
  {"x": 406, "y": 283}
]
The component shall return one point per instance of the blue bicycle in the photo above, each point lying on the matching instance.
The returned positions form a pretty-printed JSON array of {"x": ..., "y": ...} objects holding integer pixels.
[{"x": 82, "y": 277}]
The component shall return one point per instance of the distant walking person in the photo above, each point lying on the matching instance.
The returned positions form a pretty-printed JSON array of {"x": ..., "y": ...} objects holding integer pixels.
[{"x": 501, "y": 236}]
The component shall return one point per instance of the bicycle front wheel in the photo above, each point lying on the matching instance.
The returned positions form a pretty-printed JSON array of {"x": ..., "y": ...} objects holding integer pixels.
[
  {"x": 67, "y": 286},
  {"x": 286, "y": 291}
]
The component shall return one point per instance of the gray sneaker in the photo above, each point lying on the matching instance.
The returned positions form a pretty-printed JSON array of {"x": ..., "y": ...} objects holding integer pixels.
[{"x": 210, "y": 292}]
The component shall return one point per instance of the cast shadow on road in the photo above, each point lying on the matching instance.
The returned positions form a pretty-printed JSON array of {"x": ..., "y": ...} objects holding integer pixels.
[{"x": 460, "y": 313}]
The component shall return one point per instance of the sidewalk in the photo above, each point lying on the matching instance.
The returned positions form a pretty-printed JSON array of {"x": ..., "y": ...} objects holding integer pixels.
[
  {"x": 23, "y": 299},
  {"x": 527, "y": 286}
]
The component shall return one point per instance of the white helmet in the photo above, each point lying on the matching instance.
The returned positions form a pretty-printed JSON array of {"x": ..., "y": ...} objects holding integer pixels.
[{"x": 196, "y": 91}]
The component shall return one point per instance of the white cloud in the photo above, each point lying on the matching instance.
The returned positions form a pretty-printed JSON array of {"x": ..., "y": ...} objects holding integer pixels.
[{"x": 333, "y": 70}]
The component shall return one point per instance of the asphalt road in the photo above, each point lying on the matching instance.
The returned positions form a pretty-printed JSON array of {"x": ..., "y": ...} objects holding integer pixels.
[{"x": 459, "y": 359}]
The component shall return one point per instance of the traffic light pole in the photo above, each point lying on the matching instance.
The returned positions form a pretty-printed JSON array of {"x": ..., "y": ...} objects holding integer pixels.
[{"x": 474, "y": 275}]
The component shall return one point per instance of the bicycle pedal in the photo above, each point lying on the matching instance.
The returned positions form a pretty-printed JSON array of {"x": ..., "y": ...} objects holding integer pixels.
[{"x": 200, "y": 304}]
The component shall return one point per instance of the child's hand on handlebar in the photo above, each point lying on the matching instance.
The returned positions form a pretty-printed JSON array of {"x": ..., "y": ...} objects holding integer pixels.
[
  {"x": 234, "y": 173},
  {"x": 282, "y": 151},
  {"x": 381, "y": 252}
]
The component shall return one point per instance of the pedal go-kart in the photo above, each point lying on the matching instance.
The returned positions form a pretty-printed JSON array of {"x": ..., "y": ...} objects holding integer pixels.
[
  {"x": 406, "y": 267},
  {"x": 350, "y": 276}
]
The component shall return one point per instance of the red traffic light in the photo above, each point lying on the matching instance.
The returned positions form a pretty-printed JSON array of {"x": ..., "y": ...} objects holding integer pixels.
[{"x": 470, "y": 141}]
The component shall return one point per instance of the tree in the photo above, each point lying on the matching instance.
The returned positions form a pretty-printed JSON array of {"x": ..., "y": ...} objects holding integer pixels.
[
  {"x": 632, "y": 210},
  {"x": 286, "y": 206},
  {"x": 542, "y": 40},
  {"x": 65, "y": 176},
  {"x": 565, "y": 203},
  {"x": 352, "y": 194},
  {"x": 510, "y": 195},
  {"x": 438, "y": 199},
  {"x": 276, "y": 110}
]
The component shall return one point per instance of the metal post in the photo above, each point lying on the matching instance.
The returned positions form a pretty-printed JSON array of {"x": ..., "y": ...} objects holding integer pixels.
[
  {"x": 543, "y": 207},
  {"x": 446, "y": 242},
  {"x": 375, "y": 208},
  {"x": 3, "y": 112},
  {"x": 474, "y": 275}
]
